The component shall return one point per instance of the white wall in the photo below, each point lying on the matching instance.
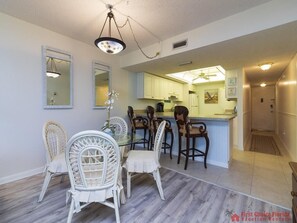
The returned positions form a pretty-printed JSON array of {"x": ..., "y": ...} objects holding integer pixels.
[
  {"x": 246, "y": 111},
  {"x": 222, "y": 104},
  {"x": 243, "y": 120},
  {"x": 22, "y": 115},
  {"x": 286, "y": 108}
]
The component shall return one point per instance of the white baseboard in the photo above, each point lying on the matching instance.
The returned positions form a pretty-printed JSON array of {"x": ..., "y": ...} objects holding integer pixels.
[{"x": 21, "y": 175}]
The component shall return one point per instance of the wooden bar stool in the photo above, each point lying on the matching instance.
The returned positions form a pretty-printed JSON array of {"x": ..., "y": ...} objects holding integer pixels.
[
  {"x": 190, "y": 130},
  {"x": 138, "y": 123},
  {"x": 154, "y": 123}
]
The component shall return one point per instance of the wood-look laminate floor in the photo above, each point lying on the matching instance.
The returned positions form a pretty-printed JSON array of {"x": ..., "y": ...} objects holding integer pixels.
[{"x": 187, "y": 200}]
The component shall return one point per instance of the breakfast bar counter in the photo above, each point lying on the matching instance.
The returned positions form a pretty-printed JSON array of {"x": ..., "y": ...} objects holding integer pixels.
[{"x": 220, "y": 133}]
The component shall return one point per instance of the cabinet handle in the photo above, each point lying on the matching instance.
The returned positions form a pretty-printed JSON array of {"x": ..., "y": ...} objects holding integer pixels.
[{"x": 294, "y": 194}]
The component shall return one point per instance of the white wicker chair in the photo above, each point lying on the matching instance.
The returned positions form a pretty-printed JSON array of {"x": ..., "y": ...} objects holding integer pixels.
[
  {"x": 146, "y": 161},
  {"x": 119, "y": 124},
  {"x": 55, "y": 139},
  {"x": 120, "y": 128},
  {"x": 93, "y": 161}
]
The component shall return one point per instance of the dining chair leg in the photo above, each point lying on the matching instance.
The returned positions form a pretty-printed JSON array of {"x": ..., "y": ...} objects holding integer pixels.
[
  {"x": 47, "y": 179},
  {"x": 71, "y": 210},
  {"x": 122, "y": 196},
  {"x": 159, "y": 184},
  {"x": 116, "y": 206},
  {"x": 128, "y": 184}
]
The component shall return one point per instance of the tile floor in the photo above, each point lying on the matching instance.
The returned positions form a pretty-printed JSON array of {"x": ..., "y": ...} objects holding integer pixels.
[{"x": 263, "y": 176}]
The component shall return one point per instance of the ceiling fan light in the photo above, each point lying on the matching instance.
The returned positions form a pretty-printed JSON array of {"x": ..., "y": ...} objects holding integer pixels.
[
  {"x": 110, "y": 45},
  {"x": 265, "y": 66}
]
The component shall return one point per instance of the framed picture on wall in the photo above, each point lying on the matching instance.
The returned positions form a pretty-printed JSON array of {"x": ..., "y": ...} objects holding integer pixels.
[
  {"x": 231, "y": 91},
  {"x": 232, "y": 81},
  {"x": 211, "y": 96}
]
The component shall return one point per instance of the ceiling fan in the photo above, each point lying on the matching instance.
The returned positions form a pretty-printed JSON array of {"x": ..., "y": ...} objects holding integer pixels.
[{"x": 204, "y": 76}]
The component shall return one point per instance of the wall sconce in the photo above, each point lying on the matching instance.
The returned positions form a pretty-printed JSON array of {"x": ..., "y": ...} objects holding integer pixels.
[
  {"x": 263, "y": 85},
  {"x": 265, "y": 66}
]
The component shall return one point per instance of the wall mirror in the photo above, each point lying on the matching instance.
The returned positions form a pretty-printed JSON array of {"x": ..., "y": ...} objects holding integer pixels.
[
  {"x": 101, "y": 84},
  {"x": 57, "y": 78}
]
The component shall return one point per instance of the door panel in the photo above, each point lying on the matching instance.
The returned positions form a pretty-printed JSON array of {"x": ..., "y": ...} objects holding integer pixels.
[{"x": 263, "y": 106}]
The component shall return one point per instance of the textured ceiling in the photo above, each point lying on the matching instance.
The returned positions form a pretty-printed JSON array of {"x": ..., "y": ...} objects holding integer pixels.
[{"x": 158, "y": 20}]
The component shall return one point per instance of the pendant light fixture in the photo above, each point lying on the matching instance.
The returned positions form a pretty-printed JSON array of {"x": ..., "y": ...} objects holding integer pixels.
[
  {"x": 110, "y": 44},
  {"x": 51, "y": 70}
]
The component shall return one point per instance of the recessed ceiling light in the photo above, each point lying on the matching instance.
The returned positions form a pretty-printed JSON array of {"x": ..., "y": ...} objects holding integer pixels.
[{"x": 265, "y": 66}]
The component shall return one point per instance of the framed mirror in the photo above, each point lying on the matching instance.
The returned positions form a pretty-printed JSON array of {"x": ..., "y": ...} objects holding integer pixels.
[
  {"x": 101, "y": 84},
  {"x": 57, "y": 78}
]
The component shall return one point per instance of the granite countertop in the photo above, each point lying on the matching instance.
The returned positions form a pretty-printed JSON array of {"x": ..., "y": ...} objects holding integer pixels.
[{"x": 213, "y": 117}]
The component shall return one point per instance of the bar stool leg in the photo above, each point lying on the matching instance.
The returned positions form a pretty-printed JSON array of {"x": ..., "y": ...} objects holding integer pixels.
[
  {"x": 171, "y": 144},
  {"x": 165, "y": 142},
  {"x": 187, "y": 152},
  {"x": 179, "y": 148},
  {"x": 194, "y": 147},
  {"x": 206, "y": 150}
]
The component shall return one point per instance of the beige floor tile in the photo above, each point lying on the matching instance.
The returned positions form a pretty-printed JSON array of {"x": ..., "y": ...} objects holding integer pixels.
[
  {"x": 266, "y": 174},
  {"x": 263, "y": 176},
  {"x": 271, "y": 191},
  {"x": 236, "y": 181}
]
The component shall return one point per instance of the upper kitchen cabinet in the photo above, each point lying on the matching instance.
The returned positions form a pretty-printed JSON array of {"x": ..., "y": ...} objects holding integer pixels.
[
  {"x": 152, "y": 87},
  {"x": 148, "y": 86},
  {"x": 175, "y": 90}
]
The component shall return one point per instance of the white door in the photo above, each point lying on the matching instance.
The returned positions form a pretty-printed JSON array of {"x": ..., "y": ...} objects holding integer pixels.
[
  {"x": 193, "y": 104},
  {"x": 263, "y": 106}
]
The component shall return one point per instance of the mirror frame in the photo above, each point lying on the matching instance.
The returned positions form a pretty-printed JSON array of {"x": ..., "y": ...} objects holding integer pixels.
[
  {"x": 104, "y": 67},
  {"x": 61, "y": 55}
]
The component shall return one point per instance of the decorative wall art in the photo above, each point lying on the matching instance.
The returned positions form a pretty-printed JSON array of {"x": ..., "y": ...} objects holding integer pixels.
[{"x": 211, "y": 96}]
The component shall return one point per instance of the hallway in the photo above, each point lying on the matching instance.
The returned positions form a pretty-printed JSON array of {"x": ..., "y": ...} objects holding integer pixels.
[{"x": 263, "y": 176}]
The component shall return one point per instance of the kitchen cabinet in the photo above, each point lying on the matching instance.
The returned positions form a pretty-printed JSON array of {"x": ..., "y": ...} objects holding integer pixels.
[
  {"x": 163, "y": 88},
  {"x": 153, "y": 87},
  {"x": 148, "y": 86},
  {"x": 175, "y": 90}
]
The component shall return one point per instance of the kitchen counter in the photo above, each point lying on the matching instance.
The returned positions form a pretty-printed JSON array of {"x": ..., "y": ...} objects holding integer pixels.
[
  {"x": 214, "y": 117},
  {"x": 220, "y": 132}
]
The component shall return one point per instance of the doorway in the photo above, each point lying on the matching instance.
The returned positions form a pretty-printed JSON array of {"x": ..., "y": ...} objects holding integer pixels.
[{"x": 263, "y": 107}]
